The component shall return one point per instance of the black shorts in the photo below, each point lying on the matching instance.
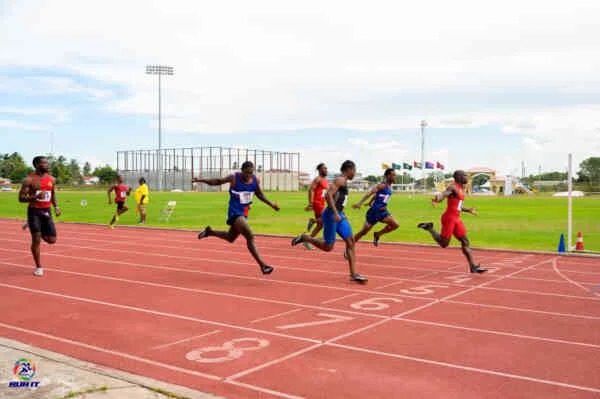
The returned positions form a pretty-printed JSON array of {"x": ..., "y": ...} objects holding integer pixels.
[
  {"x": 120, "y": 206},
  {"x": 40, "y": 221}
]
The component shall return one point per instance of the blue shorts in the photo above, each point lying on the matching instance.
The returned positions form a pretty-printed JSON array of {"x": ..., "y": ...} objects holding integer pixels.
[
  {"x": 376, "y": 215},
  {"x": 231, "y": 216},
  {"x": 331, "y": 227}
]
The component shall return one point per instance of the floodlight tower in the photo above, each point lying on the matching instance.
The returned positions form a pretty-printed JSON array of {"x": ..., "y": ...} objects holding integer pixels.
[
  {"x": 423, "y": 126},
  {"x": 159, "y": 70}
]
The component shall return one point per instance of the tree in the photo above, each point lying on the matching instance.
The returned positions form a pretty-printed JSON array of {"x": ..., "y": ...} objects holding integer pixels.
[
  {"x": 87, "y": 168},
  {"x": 479, "y": 180},
  {"x": 372, "y": 179},
  {"x": 589, "y": 171},
  {"x": 106, "y": 174},
  {"x": 9, "y": 163},
  {"x": 75, "y": 171},
  {"x": 59, "y": 169}
]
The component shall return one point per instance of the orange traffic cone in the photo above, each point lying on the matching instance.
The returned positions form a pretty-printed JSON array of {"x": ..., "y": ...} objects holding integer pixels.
[{"x": 579, "y": 245}]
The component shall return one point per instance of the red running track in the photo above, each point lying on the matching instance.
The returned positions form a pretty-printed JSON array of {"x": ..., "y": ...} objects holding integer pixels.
[{"x": 161, "y": 304}]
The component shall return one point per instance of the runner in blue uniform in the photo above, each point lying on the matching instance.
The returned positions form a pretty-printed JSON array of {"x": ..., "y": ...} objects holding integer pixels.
[
  {"x": 242, "y": 188},
  {"x": 378, "y": 211},
  {"x": 334, "y": 220}
]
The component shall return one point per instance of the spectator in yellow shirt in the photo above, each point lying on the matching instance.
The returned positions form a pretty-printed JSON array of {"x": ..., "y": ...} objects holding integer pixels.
[{"x": 142, "y": 197}]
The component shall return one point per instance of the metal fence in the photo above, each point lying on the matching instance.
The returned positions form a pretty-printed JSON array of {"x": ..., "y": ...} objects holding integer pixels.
[{"x": 174, "y": 168}]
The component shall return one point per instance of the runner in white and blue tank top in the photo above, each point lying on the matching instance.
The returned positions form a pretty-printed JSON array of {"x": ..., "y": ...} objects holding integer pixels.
[
  {"x": 240, "y": 197},
  {"x": 243, "y": 186},
  {"x": 378, "y": 210},
  {"x": 335, "y": 222}
]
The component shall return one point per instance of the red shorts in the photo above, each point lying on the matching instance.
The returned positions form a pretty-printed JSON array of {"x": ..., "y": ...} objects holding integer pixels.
[
  {"x": 452, "y": 225},
  {"x": 318, "y": 209}
]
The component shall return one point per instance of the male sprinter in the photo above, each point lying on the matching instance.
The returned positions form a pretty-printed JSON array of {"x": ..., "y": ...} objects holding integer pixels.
[
  {"x": 38, "y": 191},
  {"x": 142, "y": 197},
  {"x": 121, "y": 192},
  {"x": 451, "y": 223},
  {"x": 316, "y": 201},
  {"x": 334, "y": 220},
  {"x": 378, "y": 211},
  {"x": 242, "y": 187}
]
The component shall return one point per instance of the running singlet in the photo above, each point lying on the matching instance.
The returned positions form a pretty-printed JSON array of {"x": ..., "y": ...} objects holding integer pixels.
[
  {"x": 46, "y": 184},
  {"x": 121, "y": 192},
  {"x": 381, "y": 198},
  {"x": 341, "y": 198},
  {"x": 320, "y": 191},
  {"x": 241, "y": 194},
  {"x": 455, "y": 202}
]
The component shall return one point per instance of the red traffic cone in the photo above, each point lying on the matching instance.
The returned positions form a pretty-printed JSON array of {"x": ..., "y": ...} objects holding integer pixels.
[{"x": 579, "y": 245}]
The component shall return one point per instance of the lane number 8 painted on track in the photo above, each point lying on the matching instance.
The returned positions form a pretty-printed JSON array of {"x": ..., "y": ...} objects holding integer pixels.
[{"x": 229, "y": 348}]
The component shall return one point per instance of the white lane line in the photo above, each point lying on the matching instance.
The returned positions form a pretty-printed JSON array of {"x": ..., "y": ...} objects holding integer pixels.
[
  {"x": 275, "y": 315},
  {"x": 338, "y": 299},
  {"x": 186, "y": 339},
  {"x": 496, "y": 332},
  {"x": 555, "y": 266},
  {"x": 467, "y": 368}
]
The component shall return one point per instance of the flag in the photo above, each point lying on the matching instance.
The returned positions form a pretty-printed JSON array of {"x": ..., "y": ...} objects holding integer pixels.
[
  {"x": 439, "y": 165},
  {"x": 396, "y": 166},
  {"x": 385, "y": 166},
  {"x": 417, "y": 165},
  {"x": 406, "y": 166},
  {"x": 428, "y": 165}
]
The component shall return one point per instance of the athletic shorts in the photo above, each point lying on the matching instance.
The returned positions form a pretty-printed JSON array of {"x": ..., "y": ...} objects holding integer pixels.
[
  {"x": 331, "y": 227},
  {"x": 452, "y": 225},
  {"x": 231, "y": 216},
  {"x": 120, "y": 206},
  {"x": 318, "y": 209},
  {"x": 40, "y": 221},
  {"x": 376, "y": 215}
]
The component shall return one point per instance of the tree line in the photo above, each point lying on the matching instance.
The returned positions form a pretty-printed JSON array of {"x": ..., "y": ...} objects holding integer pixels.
[{"x": 65, "y": 171}]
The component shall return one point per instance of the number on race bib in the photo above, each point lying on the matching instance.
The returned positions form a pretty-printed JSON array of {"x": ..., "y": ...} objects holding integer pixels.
[
  {"x": 123, "y": 194},
  {"x": 374, "y": 303},
  {"x": 246, "y": 197},
  {"x": 231, "y": 351},
  {"x": 386, "y": 198},
  {"x": 46, "y": 196},
  {"x": 459, "y": 208},
  {"x": 345, "y": 201}
]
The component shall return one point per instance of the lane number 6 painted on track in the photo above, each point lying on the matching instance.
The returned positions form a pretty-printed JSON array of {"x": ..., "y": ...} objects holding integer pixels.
[{"x": 230, "y": 349}]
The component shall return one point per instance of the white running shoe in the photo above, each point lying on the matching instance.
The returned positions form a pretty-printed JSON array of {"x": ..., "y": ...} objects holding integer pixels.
[{"x": 39, "y": 271}]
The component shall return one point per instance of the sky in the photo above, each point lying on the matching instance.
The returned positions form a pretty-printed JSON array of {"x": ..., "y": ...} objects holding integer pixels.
[{"x": 499, "y": 83}]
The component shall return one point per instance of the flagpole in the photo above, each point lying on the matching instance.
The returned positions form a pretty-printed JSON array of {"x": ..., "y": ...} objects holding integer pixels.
[{"x": 423, "y": 125}]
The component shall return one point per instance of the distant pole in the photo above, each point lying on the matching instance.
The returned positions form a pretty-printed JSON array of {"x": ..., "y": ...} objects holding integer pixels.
[
  {"x": 159, "y": 70},
  {"x": 51, "y": 143},
  {"x": 570, "y": 202},
  {"x": 423, "y": 126}
]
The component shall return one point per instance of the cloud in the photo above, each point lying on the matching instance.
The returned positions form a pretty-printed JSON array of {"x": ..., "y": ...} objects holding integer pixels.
[
  {"x": 58, "y": 115},
  {"x": 18, "y": 125}
]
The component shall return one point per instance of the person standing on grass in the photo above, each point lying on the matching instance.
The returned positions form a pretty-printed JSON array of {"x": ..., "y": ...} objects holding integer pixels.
[
  {"x": 121, "y": 191},
  {"x": 316, "y": 201},
  {"x": 38, "y": 191},
  {"x": 451, "y": 223},
  {"x": 334, "y": 220},
  {"x": 242, "y": 188},
  {"x": 142, "y": 197},
  {"x": 378, "y": 211}
]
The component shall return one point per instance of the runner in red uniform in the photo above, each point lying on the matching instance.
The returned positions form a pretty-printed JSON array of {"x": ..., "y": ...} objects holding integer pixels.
[
  {"x": 451, "y": 223},
  {"x": 316, "y": 201},
  {"x": 121, "y": 192},
  {"x": 38, "y": 192}
]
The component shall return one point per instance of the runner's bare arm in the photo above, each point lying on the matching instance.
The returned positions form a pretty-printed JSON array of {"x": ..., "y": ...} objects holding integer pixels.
[
  {"x": 261, "y": 196},
  {"x": 368, "y": 194},
  {"x": 215, "y": 181}
]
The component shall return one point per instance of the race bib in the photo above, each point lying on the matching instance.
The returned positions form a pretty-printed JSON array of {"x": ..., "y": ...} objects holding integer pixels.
[
  {"x": 123, "y": 194},
  {"x": 46, "y": 196},
  {"x": 385, "y": 198},
  {"x": 345, "y": 201},
  {"x": 460, "y": 205},
  {"x": 246, "y": 197}
]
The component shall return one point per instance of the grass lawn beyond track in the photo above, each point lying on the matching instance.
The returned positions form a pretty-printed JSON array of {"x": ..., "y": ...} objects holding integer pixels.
[{"x": 531, "y": 223}]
